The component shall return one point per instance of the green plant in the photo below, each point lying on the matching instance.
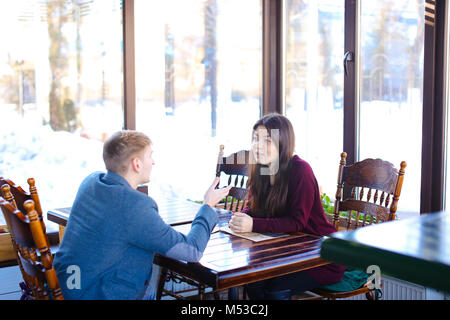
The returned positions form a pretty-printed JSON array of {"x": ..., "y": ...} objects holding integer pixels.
[
  {"x": 229, "y": 198},
  {"x": 195, "y": 201},
  {"x": 328, "y": 207},
  {"x": 226, "y": 199},
  {"x": 327, "y": 204}
]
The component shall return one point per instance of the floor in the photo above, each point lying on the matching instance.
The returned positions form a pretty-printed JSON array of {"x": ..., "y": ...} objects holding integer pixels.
[{"x": 10, "y": 277}]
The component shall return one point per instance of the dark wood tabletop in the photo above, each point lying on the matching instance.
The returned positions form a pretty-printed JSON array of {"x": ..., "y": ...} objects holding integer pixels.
[
  {"x": 416, "y": 249},
  {"x": 230, "y": 261},
  {"x": 59, "y": 216},
  {"x": 173, "y": 211}
]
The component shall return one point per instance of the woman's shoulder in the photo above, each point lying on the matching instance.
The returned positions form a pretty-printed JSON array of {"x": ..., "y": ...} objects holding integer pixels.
[
  {"x": 300, "y": 171},
  {"x": 299, "y": 165},
  {"x": 301, "y": 175}
]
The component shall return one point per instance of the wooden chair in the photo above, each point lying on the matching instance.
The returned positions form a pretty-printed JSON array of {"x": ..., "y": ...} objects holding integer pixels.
[
  {"x": 235, "y": 167},
  {"x": 20, "y": 196},
  {"x": 383, "y": 184},
  {"x": 23, "y": 215}
]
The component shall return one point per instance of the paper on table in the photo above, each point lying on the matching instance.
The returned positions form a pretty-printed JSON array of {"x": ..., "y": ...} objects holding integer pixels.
[
  {"x": 216, "y": 229},
  {"x": 253, "y": 236}
]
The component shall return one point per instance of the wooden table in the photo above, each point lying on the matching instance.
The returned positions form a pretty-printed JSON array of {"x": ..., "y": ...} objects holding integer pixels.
[
  {"x": 416, "y": 250},
  {"x": 229, "y": 261},
  {"x": 173, "y": 211}
]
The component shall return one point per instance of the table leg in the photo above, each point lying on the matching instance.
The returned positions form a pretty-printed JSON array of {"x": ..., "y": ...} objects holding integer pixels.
[
  {"x": 201, "y": 292},
  {"x": 233, "y": 293},
  {"x": 161, "y": 283},
  {"x": 62, "y": 229}
]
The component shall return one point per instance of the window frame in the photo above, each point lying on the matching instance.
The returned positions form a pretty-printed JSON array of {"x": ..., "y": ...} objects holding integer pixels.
[
  {"x": 433, "y": 129},
  {"x": 434, "y": 91}
]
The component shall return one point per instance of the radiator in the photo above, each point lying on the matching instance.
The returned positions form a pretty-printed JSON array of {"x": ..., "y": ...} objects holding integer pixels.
[{"x": 394, "y": 289}]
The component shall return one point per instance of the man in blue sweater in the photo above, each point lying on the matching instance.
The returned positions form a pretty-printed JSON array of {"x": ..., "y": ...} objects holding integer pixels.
[{"x": 114, "y": 230}]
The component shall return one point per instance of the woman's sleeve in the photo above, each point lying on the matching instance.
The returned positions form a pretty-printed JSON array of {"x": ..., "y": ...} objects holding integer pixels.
[{"x": 247, "y": 209}]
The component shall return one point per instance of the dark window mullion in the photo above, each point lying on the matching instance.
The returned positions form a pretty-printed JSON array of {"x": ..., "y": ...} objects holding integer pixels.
[
  {"x": 433, "y": 124},
  {"x": 273, "y": 77},
  {"x": 350, "y": 86},
  {"x": 350, "y": 83},
  {"x": 129, "y": 86}
]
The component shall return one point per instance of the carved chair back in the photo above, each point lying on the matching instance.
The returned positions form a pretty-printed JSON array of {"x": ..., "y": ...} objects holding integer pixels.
[
  {"x": 27, "y": 230},
  {"x": 234, "y": 169},
  {"x": 375, "y": 187}
]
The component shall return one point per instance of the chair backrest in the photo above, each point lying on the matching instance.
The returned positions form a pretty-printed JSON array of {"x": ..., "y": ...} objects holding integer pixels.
[
  {"x": 235, "y": 166},
  {"x": 383, "y": 184},
  {"x": 19, "y": 196},
  {"x": 27, "y": 230}
]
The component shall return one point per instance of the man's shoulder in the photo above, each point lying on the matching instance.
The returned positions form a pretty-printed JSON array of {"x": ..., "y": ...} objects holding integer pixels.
[
  {"x": 92, "y": 179},
  {"x": 140, "y": 199},
  {"x": 116, "y": 198}
]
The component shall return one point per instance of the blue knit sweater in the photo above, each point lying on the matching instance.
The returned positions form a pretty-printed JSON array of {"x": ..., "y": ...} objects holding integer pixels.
[{"x": 112, "y": 236}]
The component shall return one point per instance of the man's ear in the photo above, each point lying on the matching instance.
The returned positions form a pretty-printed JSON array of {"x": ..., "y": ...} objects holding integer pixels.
[{"x": 136, "y": 164}]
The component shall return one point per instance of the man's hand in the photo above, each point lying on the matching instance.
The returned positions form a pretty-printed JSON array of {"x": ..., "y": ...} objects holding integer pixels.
[
  {"x": 241, "y": 222},
  {"x": 213, "y": 195}
]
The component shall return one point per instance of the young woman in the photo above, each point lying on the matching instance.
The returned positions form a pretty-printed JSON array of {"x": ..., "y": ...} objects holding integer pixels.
[{"x": 283, "y": 197}]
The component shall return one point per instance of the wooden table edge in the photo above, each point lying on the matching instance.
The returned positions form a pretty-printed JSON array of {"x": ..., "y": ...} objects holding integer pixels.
[
  {"x": 219, "y": 282},
  {"x": 259, "y": 274},
  {"x": 54, "y": 215}
]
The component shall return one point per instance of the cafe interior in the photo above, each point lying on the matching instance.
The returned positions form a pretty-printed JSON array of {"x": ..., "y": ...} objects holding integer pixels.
[{"x": 364, "y": 84}]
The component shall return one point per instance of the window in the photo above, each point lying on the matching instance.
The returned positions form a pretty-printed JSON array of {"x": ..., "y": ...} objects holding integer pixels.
[
  {"x": 314, "y": 44},
  {"x": 390, "y": 83},
  {"x": 60, "y": 92},
  {"x": 198, "y": 85}
]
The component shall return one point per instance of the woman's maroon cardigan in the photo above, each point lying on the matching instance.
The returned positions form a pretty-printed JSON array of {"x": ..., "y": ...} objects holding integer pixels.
[{"x": 304, "y": 214}]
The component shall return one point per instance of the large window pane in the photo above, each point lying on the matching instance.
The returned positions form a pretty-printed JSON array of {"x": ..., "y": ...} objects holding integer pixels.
[
  {"x": 391, "y": 81},
  {"x": 198, "y": 80},
  {"x": 60, "y": 92},
  {"x": 314, "y": 83}
]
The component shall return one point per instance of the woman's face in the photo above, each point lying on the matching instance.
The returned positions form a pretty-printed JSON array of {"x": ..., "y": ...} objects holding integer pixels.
[{"x": 264, "y": 149}]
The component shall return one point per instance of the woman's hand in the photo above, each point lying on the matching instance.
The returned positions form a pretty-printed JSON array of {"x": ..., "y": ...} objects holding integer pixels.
[
  {"x": 213, "y": 195},
  {"x": 241, "y": 222}
]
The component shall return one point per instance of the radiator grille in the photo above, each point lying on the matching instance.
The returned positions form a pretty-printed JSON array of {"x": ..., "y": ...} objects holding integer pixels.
[{"x": 394, "y": 289}]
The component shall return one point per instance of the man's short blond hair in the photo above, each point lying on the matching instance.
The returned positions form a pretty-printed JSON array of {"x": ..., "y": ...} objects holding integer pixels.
[{"x": 121, "y": 147}]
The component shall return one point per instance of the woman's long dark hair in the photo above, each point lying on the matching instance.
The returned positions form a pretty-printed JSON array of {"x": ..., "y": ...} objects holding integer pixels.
[{"x": 270, "y": 200}]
